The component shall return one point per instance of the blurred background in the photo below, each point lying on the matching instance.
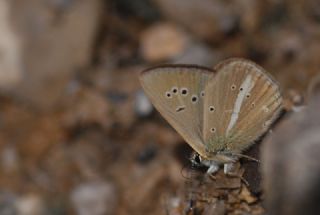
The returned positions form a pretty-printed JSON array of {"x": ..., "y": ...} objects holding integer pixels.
[{"x": 78, "y": 136}]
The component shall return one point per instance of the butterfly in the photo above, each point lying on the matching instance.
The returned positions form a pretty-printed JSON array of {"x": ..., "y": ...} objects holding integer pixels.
[{"x": 219, "y": 112}]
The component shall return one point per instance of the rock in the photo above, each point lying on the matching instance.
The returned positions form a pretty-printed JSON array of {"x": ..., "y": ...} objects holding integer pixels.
[
  {"x": 217, "y": 208},
  {"x": 290, "y": 159},
  {"x": 143, "y": 106},
  {"x": 209, "y": 20},
  {"x": 162, "y": 41},
  {"x": 246, "y": 195},
  {"x": 294, "y": 101},
  {"x": 10, "y": 49},
  {"x": 197, "y": 53},
  {"x": 43, "y": 43},
  {"x": 174, "y": 206},
  {"x": 30, "y": 204},
  {"x": 9, "y": 159},
  {"x": 250, "y": 13},
  {"x": 94, "y": 198},
  {"x": 7, "y": 203}
]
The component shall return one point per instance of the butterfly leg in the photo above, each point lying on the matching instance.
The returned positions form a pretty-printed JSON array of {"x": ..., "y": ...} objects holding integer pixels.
[
  {"x": 227, "y": 167},
  {"x": 213, "y": 168}
]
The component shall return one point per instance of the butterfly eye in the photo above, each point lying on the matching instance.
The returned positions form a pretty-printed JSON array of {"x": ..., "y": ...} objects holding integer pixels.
[
  {"x": 248, "y": 95},
  {"x": 194, "y": 99},
  {"x": 195, "y": 159},
  {"x": 168, "y": 95},
  {"x": 213, "y": 130},
  {"x": 211, "y": 108},
  {"x": 241, "y": 89},
  {"x": 174, "y": 90},
  {"x": 202, "y": 93},
  {"x": 184, "y": 91},
  {"x": 253, "y": 104},
  {"x": 233, "y": 87}
]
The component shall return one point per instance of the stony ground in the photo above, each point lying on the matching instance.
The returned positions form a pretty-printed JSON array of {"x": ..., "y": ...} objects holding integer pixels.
[{"x": 77, "y": 133}]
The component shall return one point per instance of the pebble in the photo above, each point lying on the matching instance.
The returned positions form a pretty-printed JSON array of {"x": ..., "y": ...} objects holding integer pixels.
[
  {"x": 290, "y": 162},
  {"x": 94, "y": 198},
  {"x": 9, "y": 159},
  {"x": 247, "y": 196},
  {"x": 198, "y": 53},
  {"x": 209, "y": 20},
  {"x": 162, "y": 41},
  {"x": 143, "y": 106},
  {"x": 7, "y": 203},
  {"x": 30, "y": 204}
]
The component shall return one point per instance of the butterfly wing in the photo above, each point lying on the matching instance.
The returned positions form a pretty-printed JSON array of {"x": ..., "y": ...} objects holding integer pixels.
[
  {"x": 246, "y": 100},
  {"x": 177, "y": 92}
]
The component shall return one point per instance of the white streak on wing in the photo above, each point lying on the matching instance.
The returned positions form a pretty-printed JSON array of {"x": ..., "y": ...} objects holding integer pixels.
[{"x": 247, "y": 85}]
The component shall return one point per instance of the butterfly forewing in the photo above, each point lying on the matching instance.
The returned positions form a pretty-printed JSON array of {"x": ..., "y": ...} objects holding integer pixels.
[
  {"x": 178, "y": 94},
  {"x": 246, "y": 101}
]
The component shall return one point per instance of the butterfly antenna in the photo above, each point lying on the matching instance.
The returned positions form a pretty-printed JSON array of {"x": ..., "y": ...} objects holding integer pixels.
[
  {"x": 247, "y": 157},
  {"x": 241, "y": 178}
]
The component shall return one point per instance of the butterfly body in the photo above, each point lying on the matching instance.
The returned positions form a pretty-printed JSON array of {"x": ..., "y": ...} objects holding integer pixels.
[{"x": 219, "y": 112}]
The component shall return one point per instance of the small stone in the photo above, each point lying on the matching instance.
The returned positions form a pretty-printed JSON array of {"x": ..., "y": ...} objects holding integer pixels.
[
  {"x": 174, "y": 206},
  {"x": 10, "y": 48},
  {"x": 55, "y": 32},
  {"x": 246, "y": 195},
  {"x": 9, "y": 159},
  {"x": 162, "y": 41},
  {"x": 295, "y": 101},
  {"x": 197, "y": 53},
  {"x": 94, "y": 198},
  {"x": 209, "y": 20},
  {"x": 30, "y": 204},
  {"x": 7, "y": 203},
  {"x": 143, "y": 106},
  {"x": 290, "y": 162}
]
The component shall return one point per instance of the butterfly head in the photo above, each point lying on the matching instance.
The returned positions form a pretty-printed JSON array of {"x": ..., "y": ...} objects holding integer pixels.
[{"x": 220, "y": 157}]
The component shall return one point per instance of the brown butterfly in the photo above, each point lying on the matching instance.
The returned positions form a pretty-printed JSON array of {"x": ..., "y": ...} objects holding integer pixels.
[{"x": 218, "y": 112}]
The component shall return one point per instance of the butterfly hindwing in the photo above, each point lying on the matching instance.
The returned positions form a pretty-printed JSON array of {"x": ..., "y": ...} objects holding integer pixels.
[
  {"x": 177, "y": 92},
  {"x": 246, "y": 101}
]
